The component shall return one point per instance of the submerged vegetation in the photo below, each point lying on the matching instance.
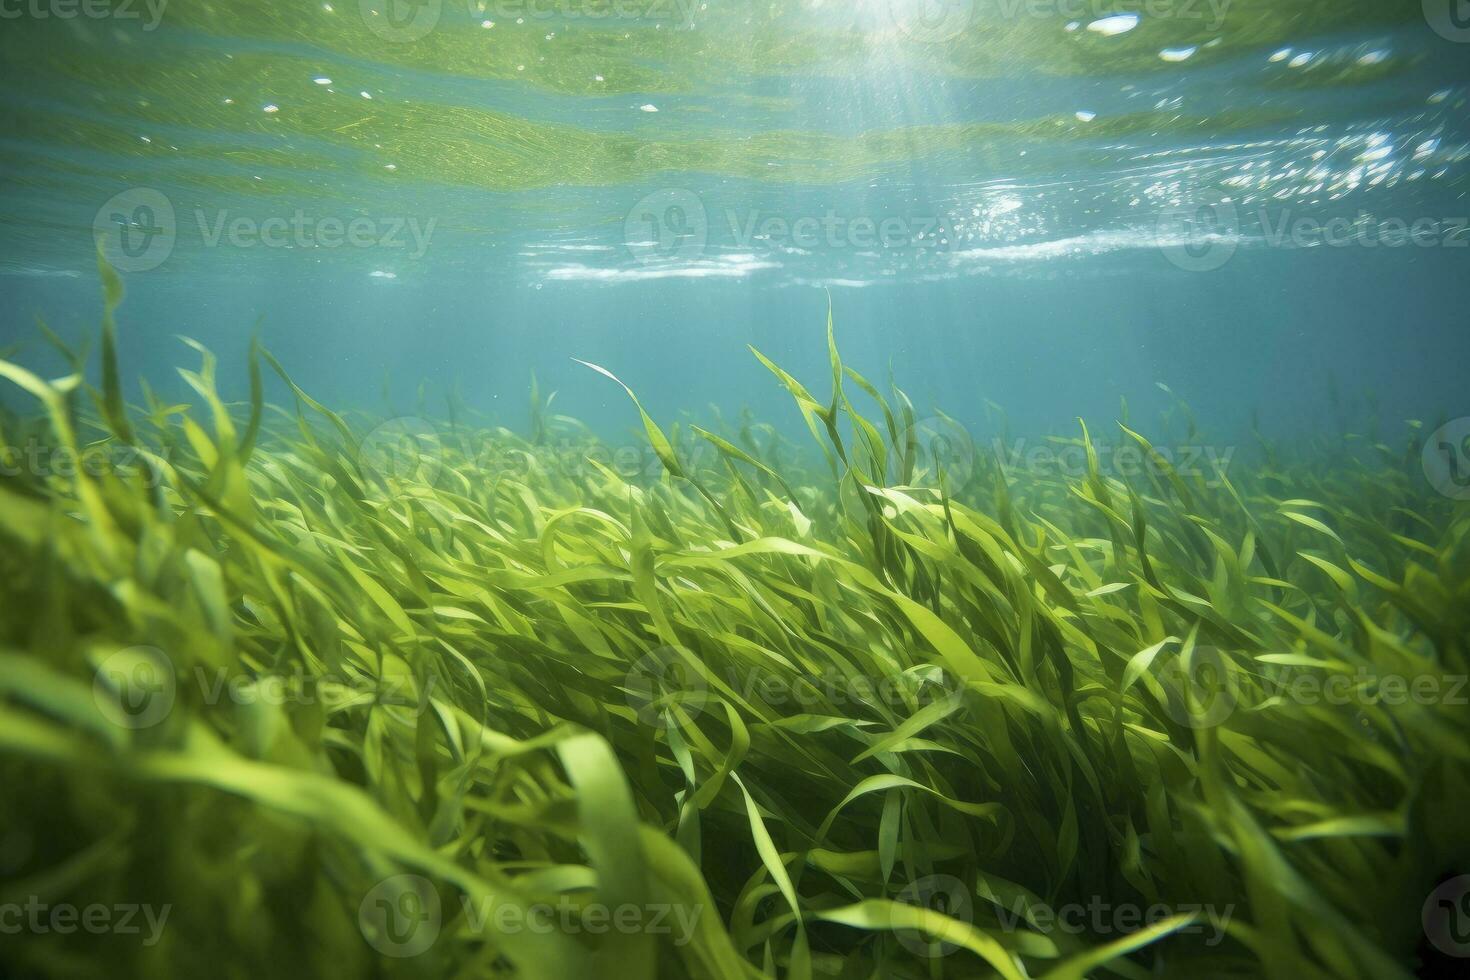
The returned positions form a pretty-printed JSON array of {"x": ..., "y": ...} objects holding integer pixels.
[{"x": 357, "y": 699}]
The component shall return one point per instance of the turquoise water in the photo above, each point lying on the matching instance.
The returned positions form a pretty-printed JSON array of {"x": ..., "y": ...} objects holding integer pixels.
[
  {"x": 329, "y": 679},
  {"x": 1048, "y": 206}
]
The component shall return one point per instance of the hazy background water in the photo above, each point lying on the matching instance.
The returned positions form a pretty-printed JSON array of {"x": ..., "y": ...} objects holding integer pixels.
[{"x": 1050, "y": 206}]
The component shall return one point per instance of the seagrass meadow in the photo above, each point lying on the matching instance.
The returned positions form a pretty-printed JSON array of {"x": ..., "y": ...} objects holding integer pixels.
[{"x": 300, "y": 693}]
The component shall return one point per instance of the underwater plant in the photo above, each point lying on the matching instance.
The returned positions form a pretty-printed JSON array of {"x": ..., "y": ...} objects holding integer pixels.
[{"x": 320, "y": 695}]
